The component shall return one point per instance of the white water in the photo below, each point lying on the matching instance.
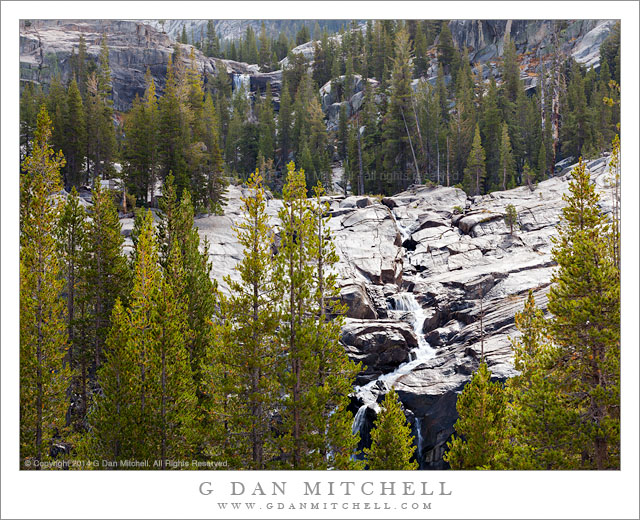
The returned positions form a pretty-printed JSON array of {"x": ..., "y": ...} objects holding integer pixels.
[
  {"x": 405, "y": 232},
  {"x": 242, "y": 81},
  {"x": 419, "y": 440},
  {"x": 403, "y": 303}
]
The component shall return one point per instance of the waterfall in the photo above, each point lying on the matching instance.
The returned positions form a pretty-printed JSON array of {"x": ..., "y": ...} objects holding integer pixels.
[
  {"x": 402, "y": 303},
  {"x": 406, "y": 303},
  {"x": 419, "y": 442},
  {"x": 242, "y": 81},
  {"x": 358, "y": 420},
  {"x": 399, "y": 306}
]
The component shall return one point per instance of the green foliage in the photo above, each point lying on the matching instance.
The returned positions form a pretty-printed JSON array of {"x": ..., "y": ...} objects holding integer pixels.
[
  {"x": 148, "y": 389},
  {"x": 398, "y": 123},
  {"x": 71, "y": 233},
  {"x": 585, "y": 302},
  {"x": 507, "y": 164},
  {"x": 510, "y": 217},
  {"x": 481, "y": 423},
  {"x": 391, "y": 440},
  {"x": 193, "y": 285},
  {"x": 44, "y": 377},
  {"x": 75, "y": 136},
  {"x": 475, "y": 172},
  {"x": 314, "y": 371},
  {"x": 540, "y": 424},
  {"x": 141, "y": 145},
  {"x": 106, "y": 271},
  {"x": 241, "y": 383},
  {"x": 562, "y": 411}
]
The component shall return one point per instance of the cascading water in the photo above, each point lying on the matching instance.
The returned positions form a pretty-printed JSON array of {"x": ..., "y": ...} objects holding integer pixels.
[
  {"x": 419, "y": 440},
  {"x": 242, "y": 81},
  {"x": 401, "y": 304}
]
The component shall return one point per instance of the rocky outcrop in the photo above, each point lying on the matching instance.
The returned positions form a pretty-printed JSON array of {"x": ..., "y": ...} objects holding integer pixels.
[
  {"x": 451, "y": 264},
  {"x": 47, "y": 46},
  {"x": 413, "y": 272},
  {"x": 415, "y": 277},
  {"x": 380, "y": 345},
  {"x": 535, "y": 40},
  {"x": 352, "y": 97}
]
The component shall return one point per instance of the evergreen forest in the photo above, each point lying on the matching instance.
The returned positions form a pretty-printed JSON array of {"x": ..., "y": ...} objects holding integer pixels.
[{"x": 136, "y": 354}]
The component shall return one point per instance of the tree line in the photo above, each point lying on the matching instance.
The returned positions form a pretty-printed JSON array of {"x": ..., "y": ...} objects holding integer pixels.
[
  {"x": 460, "y": 129},
  {"x": 141, "y": 357},
  {"x": 562, "y": 411}
]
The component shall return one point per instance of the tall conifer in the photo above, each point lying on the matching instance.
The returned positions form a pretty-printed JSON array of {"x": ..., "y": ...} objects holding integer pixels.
[
  {"x": 391, "y": 441},
  {"x": 44, "y": 377}
]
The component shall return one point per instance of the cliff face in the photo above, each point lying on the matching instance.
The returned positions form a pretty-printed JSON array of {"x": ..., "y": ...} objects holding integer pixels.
[
  {"x": 46, "y": 48},
  {"x": 578, "y": 38}
]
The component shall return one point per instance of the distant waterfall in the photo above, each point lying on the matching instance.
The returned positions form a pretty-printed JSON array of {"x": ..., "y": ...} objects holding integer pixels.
[
  {"x": 242, "y": 81},
  {"x": 419, "y": 441}
]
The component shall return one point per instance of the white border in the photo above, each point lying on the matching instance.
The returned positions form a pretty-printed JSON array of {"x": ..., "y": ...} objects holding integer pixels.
[{"x": 475, "y": 494}]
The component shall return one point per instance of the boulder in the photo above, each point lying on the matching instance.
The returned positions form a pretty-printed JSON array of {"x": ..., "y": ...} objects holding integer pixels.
[
  {"x": 358, "y": 303},
  {"x": 381, "y": 345}
]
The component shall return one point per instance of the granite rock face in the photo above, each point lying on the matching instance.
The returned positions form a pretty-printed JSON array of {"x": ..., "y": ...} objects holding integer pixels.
[
  {"x": 47, "y": 46},
  {"x": 413, "y": 273}
]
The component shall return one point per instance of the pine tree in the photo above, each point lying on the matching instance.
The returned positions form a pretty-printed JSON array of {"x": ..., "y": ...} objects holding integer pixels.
[
  {"x": 284, "y": 122},
  {"x": 510, "y": 217},
  {"x": 312, "y": 363},
  {"x": 160, "y": 408},
  {"x": 447, "y": 53},
  {"x": 194, "y": 286},
  {"x": 112, "y": 419},
  {"x": 507, "y": 165},
  {"x": 540, "y": 425},
  {"x": 212, "y": 196},
  {"x": 107, "y": 273},
  {"x": 101, "y": 146},
  {"x": 391, "y": 440},
  {"x": 172, "y": 141},
  {"x": 56, "y": 102},
  {"x": 138, "y": 151},
  {"x": 31, "y": 99},
  {"x": 398, "y": 124},
  {"x": 295, "y": 277},
  {"x": 177, "y": 390},
  {"x": 72, "y": 238},
  {"x": 248, "y": 351},
  {"x": 511, "y": 70},
  {"x": 44, "y": 377},
  {"x": 443, "y": 95},
  {"x": 317, "y": 141},
  {"x": 80, "y": 69},
  {"x": 336, "y": 372},
  {"x": 420, "y": 46},
  {"x": 474, "y": 173},
  {"x": 264, "y": 55},
  {"x": 267, "y": 123},
  {"x": 75, "y": 137},
  {"x": 481, "y": 423},
  {"x": 542, "y": 161},
  {"x": 490, "y": 128},
  {"x": 585, "y": 303},
  {"x": 527, "y": 175},
  {"x": 342, "y": 132}
]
